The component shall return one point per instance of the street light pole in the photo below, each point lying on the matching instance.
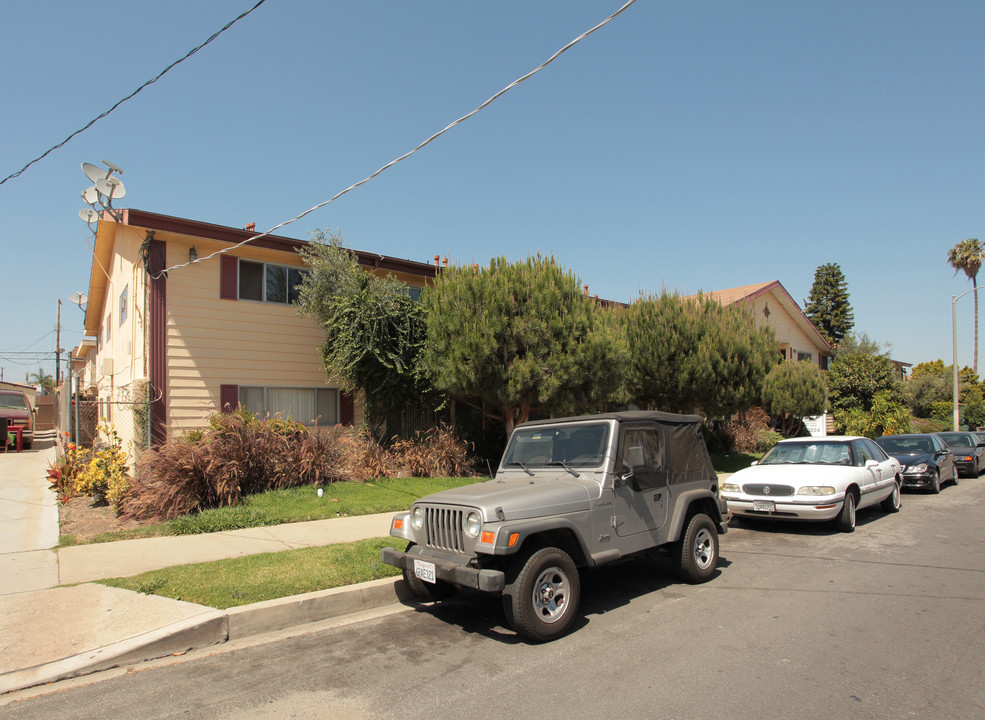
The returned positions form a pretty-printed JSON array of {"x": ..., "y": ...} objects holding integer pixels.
[{"x": 954, "y": 341}]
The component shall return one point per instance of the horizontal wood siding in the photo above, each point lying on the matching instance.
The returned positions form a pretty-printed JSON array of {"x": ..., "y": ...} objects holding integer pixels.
[{"x": 213, "y": 342}]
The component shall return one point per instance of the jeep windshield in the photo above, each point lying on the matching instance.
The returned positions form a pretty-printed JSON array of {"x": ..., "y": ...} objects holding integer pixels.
[{"x": 581, "y": 445}]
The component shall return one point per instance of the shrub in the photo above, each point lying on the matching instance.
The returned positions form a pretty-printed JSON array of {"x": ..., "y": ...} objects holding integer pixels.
[
  {"x": 240, "y": 454},
  {"x": 104, "y": 477},
  {"x": 436, "y": 453},
  {"x": 750, "y": 432}
]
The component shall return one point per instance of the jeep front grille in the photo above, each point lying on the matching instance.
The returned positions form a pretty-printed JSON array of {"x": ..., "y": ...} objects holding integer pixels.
[{"x": 443, "y": 528}]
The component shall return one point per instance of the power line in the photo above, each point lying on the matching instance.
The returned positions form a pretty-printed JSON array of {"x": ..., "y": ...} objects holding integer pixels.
[
  {"x": 431, "y": 139},
  {"x": 120, "y": 102}
]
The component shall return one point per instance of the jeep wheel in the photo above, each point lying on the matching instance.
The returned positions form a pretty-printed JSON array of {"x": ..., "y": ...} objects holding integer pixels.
[
  {"x": 542, "y": 597},
  {"x": 425, "y": 591},
  {"x": 696, "y": 553}
]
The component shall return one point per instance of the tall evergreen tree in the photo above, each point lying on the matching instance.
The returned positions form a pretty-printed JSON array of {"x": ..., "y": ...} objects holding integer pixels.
[
  {"x": 827, "y": 305},
  {"x": 521, "y": 337},
  {"x": 967, "y": 256},
  {"x": 692, "y": 354}
]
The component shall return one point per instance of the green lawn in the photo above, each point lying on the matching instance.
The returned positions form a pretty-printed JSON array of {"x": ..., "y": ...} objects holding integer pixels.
[{"x": 241, "y": 581}]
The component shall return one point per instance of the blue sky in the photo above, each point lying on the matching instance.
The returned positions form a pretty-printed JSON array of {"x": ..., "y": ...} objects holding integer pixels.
[{"x": 686, "y": 146}]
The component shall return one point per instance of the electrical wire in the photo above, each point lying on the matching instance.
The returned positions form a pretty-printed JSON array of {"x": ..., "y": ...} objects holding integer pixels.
[
  {"x": 120, "y": 102},
  {"x": 406, "y": 155}
]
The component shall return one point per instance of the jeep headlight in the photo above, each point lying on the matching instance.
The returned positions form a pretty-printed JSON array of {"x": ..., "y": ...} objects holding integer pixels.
[
  {"x": 816, "y": 490},
  {"x": 473, "y": 523},
  {"x": 730, "y": 487},
  {"x": 417, "y": 518}
]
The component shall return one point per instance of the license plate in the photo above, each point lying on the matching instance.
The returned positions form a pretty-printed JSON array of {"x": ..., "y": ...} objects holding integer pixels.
[
  {"x": 764, "y": 506},
  {"x": 425, "y": 571}
]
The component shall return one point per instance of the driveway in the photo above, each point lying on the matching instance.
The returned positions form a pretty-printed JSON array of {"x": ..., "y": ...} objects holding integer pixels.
[{"x": 28, "y": 519}]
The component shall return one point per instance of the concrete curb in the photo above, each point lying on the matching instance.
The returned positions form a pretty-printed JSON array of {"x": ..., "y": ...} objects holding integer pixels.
[
  {"x": 209, "y": 628},
  {"x": 213, "y": 628}
]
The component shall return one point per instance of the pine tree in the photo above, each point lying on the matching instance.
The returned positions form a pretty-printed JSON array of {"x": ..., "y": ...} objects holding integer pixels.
[
  {"x": 694, "y": 354},
  {"x": 521, "y": 337},
  {"x": 827, "y": 306}
]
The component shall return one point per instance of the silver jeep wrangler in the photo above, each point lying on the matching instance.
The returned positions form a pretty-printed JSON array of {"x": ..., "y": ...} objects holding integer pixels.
[{"x": 569, "y": 493}]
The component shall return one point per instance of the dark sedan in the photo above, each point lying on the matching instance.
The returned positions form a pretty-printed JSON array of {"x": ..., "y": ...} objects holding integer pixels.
[
  {"x": 969, "y": 453},
  {"x": 927, "y": 461}
]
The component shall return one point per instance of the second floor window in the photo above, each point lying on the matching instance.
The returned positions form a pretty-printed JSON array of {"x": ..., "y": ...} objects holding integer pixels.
[{"x": 266, "y": 282}]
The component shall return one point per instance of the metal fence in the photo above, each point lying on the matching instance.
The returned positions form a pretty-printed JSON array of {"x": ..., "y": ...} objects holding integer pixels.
[{"x": 106, "y": 415}]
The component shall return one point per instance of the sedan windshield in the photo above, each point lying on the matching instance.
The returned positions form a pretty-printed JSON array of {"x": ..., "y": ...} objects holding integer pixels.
[
  {"x": 958, "y": 439},
  {"x": 811, "y": 453},
  {"x": 582, "y": 445},
  {"x": 894, "y": 444}
]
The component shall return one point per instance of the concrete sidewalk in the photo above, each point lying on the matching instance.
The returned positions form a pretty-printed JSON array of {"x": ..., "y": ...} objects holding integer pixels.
[{"x": 49, "y": 631}]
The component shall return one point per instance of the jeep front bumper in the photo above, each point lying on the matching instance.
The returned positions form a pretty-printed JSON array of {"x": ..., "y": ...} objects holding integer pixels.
[{"x": 450, "y": 569}]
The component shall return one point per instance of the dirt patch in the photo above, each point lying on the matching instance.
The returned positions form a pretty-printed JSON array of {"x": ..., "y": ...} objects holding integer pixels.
[{"x": 84, "y": 519}]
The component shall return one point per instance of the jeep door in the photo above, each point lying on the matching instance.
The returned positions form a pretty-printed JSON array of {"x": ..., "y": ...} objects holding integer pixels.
[{"x": 640, "y": 485}]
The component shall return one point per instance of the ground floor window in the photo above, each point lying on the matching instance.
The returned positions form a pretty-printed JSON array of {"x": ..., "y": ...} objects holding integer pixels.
[{"x": 307, "y": 405}]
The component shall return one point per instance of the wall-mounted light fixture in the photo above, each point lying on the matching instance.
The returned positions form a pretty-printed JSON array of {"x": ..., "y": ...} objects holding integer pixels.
[{"x": 192, "y": 254}]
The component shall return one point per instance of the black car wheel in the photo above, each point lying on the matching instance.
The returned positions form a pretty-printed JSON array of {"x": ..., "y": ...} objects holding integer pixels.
[{"x": 936, "y": 486}]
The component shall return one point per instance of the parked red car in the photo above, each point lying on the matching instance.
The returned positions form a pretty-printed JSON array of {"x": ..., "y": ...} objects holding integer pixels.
[{"x": 15, "y": 406}]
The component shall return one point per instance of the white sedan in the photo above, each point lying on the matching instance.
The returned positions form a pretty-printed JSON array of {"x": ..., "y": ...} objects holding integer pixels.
[{"x": 817, "y": 479}]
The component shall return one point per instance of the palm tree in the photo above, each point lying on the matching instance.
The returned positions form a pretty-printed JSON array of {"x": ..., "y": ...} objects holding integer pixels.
[
  {"x": 43, "y": 380},
  {"x": 967, "y": 256}
]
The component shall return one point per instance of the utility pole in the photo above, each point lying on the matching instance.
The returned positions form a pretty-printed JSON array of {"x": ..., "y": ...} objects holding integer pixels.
[{"x": 58, "y": 346}]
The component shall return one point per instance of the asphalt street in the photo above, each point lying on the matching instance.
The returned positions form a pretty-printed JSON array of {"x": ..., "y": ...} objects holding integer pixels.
[{"x": 802, "y": 622}]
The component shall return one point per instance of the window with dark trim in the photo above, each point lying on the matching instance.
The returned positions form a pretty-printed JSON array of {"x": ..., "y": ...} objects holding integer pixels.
[
  {"x": 266, "y": 282},
  {"x": 306, "y": 405}
]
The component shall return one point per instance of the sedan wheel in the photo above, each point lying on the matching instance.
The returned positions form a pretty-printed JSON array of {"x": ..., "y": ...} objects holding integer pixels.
[
  {"x": 892, "y": 503},
  {"x": 936, "y": 487},
  {"x": 846, "y": 519}
]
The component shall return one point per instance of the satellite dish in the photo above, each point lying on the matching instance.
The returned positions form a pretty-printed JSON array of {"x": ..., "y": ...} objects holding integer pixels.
[
  {"x": 79, "y": 298},
  {"x": 90, "y": 195},
  {"x": 89, "y": 215},
  {"x": 111, "y": 187},
  {"x": 94, "y": 172},
  {"x": 112, "y": 167}
]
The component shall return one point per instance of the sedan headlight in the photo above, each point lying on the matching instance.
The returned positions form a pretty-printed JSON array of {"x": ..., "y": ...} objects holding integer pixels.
[
  {"x": 921, "y": 468},
  {"x": 473, "y": 523},
  {"x": 417, "y": 518},
  {"x": 816, "y": 490},
  {"x": 730, "y": 487}
]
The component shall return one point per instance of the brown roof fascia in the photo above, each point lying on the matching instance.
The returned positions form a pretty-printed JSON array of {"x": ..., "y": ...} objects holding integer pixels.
[{"x": 235, "y": 236}]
